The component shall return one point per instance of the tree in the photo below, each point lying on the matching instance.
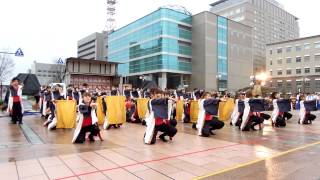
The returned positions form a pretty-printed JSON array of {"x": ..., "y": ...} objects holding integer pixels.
[
  {"x": 6, "y": 69},
  {"x": 59, "y": 69},
  {"x": 59, "y": 72}
]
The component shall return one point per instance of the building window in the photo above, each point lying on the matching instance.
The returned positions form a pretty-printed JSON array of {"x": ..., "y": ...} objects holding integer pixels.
[
  {"x": 288, "y": 60},
  {"x": 279, "y": 72},
  {"x": 298, "y": 48},
  {"x": 270, "y": 62},
  {"x": 289, "y": 71},
  {"x": 270, "y": 51},
  {"x": 288, "y": 49},
  {"x": 318, "y": 84},
  {"x": 306, "y": 58},
  {"x": 307, "y": 70},
  {"x": 317, "y": 45},
  {"x": 279, "y": 61},
  {"x": 299, "y": 84},
  {"x": 298, "y": 71},
  {"x": 298, "y": 59},
  {"x": 307, "y": 84},
  {"x": 279, "y": 51},
  {"x": 279, "y": 84},
  {"x": 289, "y": 85},
  {"x": 270, "y": 72},
  {"x": 307, "y": 46},
  {"x": 317, "y": 57},
  {"x": 39, "y": 70},
  {"x": 317, "y": 70}
]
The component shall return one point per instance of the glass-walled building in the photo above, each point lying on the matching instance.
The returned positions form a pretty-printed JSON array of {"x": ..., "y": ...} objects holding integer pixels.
[
  {"x": 175, "y": 49},
  {"x": 156, "y": 46}
]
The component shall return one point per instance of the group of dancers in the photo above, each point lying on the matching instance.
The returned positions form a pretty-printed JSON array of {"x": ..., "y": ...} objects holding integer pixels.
[{"x": 249, "y": 113}]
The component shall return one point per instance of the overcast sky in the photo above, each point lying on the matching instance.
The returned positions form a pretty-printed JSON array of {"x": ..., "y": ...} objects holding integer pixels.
[{"x": 49, "y": 29}]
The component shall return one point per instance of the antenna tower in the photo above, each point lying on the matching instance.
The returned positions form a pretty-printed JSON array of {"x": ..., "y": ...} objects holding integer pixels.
[{"x": 111, "y": 12}]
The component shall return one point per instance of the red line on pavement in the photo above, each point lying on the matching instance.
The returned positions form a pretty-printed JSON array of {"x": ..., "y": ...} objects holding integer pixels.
[{"x": 159, "y": 159}]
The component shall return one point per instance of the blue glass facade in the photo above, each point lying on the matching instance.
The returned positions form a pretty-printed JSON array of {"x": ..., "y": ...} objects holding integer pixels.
[
  {"x": 222, "y": 48},
  {"x": 158, "y": 41}
]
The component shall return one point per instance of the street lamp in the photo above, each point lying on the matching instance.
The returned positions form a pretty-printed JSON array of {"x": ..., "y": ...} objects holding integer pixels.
[{"x": 218, "y": 79}]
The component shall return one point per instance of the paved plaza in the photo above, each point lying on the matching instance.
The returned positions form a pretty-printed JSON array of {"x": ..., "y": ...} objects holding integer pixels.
[{"x": 32, "y": 152}]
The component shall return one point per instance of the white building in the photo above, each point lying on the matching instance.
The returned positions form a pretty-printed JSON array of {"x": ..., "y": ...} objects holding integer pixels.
[
  {"x": 270, "y": 23},
  {"x": 48, "y": 73},
  {"x": 93, "y": 46}
]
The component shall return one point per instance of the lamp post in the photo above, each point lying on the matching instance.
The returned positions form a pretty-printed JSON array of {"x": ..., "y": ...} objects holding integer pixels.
[{"x": 218, "y": 77}]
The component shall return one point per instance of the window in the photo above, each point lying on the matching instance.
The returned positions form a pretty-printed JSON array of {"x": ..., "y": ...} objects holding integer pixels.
[
  {"x": 298, "y": 71},
  {"x": 288, "y": 60},
  {"x": 317, "y": 57},
  {"x": 279, "y": 51},
  {"x": 306, "y": 58},
  {"x": 270, "y": 72},
  {"x": 298, "y": 48},
  {"x": 289, "y": 49},
  {"x": 318, "y": 84},
  {"x": 317, "y": 70},
  {"x": 270, "y": 62},
  {"x": 279, "y": 72},
  {"x": 289, "y": 71},
  {"x": 306, "y": 70},
  {"x": 317, "y": 45},
  {"x": 298, "y": 59},
  {"x": 39, "y": 70},
  {"x": 288, "y": 84},
  {"x": 279, "y": 61},
  {"x": 279, "y": 84},
  {"x": 307, "y": 83},
  {"x": 307, "y": 46},
  {"x": 299, "y": 83}
]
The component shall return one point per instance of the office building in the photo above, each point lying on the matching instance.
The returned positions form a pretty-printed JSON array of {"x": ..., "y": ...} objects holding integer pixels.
[
  {"x": 270, "y": 23},
  {"x": 48, "y": 73},
  {"x": 294, "y": 65},
  {"x": 93, "y": 46},
  {"x": 175, "y": 49}
]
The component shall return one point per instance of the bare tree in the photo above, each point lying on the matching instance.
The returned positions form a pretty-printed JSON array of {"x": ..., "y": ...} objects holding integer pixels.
[
  {"x": 59, "y": 70},
  {"x": 6, "y": 69}
]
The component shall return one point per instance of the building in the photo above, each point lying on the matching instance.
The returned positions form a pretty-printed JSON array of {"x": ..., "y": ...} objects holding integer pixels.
[
  {"x": 157, "y": 46},
  {"x": 48, "y": 73},
  {"x": 270, "y": 23},
  {"x": 97, "y": 73},
  {"x": 93, "y": 46},
  {"x": 294, "y": 65},
  {"x": 175, "y": 49},
  {"x": 221, "y": 53}
]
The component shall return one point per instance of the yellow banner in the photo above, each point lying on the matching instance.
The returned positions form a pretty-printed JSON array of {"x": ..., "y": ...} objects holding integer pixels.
[
  {"x": 100, "y": 113},
  {"x": 194, "y": 111},
  {"x": 225, "y": 109},
  {"x": 142, "y": 107},
  {"x": 116, "y": 109},
  {"x": 179, "y": 110},
  {"x": 66, "y": 113}
]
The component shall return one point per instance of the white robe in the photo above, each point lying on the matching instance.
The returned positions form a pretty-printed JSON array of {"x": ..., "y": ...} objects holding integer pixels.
[
  {"x": 10, "y": 101},
  {"x": 235, "y": 114},
  {"x": 150, "y": 122},
  {"x": 275, "y": 111},
  {"x": 201, "y": 117},
  {"x": 246, "y": 113},
  {"x": 302, "y": 112},
  {"x": 80, "y": 121}
]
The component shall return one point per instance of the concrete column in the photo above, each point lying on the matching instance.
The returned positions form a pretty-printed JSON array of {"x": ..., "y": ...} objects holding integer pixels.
[{"x": 163, "y": 81}]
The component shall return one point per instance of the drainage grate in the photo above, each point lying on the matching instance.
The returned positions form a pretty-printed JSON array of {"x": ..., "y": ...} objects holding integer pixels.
[{"x": 31, "y": 136}]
